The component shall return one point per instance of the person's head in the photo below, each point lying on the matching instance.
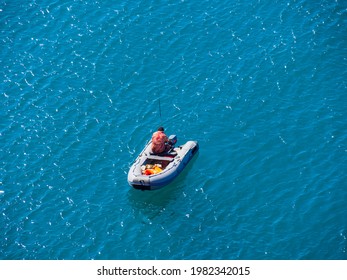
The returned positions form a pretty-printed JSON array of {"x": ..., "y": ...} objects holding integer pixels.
[{"x": 161, "y": 129}]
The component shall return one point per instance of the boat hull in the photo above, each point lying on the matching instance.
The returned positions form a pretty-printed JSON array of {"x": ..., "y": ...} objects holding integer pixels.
[{"x": 173, "y": 164}]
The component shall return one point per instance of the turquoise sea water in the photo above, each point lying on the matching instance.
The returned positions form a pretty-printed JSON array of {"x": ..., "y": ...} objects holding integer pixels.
[{"x": 260, "y": 84}]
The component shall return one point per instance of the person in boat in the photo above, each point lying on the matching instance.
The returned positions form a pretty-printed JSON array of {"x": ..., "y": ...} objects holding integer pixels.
[{"x": 160, "y": 141}]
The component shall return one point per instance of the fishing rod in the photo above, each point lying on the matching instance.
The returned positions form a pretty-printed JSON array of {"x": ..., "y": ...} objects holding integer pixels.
[{"x": 161, "y": 120}]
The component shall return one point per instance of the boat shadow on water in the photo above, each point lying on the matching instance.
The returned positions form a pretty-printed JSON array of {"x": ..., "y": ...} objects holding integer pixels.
[{"x": 150, "y": 204}]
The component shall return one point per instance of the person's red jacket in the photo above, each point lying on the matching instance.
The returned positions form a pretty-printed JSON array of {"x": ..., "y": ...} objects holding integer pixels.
[{"x": 158, "y": 142}]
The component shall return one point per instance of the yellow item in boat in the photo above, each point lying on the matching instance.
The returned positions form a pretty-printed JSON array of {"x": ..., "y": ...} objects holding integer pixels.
[
  {"x": 154, "y": 170},
  {"x": 157, "y": 169}
]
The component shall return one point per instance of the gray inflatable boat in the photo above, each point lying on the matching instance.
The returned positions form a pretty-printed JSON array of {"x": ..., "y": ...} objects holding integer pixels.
[{"x": 154, "y": 171}]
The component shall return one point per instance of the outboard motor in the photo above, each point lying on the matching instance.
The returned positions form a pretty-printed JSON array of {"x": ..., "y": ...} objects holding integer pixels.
[{"x": 172, "y": 140}]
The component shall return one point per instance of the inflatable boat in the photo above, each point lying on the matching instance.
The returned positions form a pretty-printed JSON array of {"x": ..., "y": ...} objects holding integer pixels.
[{"x": 154, "y": 171}]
